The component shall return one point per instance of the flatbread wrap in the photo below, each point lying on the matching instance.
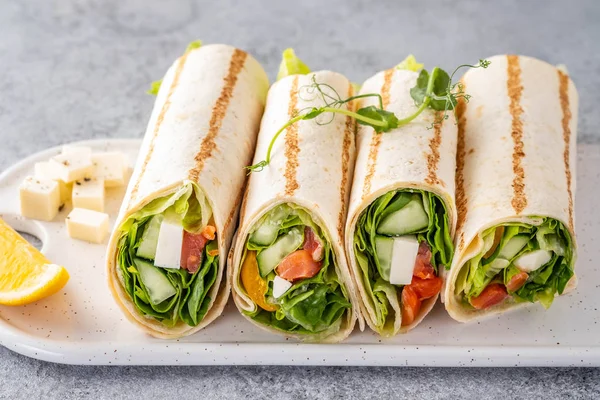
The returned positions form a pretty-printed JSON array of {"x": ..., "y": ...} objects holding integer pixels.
[
  {"x": 288, "y": 268},
  {"x": 402, "y": 214},
  {"x": 515, "y": 241},
  {"x": 167, "y": 254}
]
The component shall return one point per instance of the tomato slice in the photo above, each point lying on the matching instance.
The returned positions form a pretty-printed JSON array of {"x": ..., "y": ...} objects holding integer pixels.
[
  {"x": 410, "y": 305},
  {"x": 312, "y": 244},
  {"x": 423, "y": 268},
  {"x": 517, "y": 281},
  {"x": 256, "y": 287},
  {"x": 426, "y": 288},
  {"x": 493, "y": 294},
  {"x": 191, "y": 251},
  {"x": 298, "y": 265}
]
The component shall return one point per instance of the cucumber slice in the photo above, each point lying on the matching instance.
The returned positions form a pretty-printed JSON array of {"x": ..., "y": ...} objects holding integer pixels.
[
  {"x": 513, "y": 246},
  {"x": 267, "y": 231},
  {"x": 269, "y": 258},
  {"x": 149, "y": 241},
  {"x": 157, "y": 284},
  {"x": 409, "y": 219},
  {"x": 384, "y": 248}
]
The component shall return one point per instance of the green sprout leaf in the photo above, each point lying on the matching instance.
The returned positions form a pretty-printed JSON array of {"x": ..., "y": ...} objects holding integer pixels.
[
  {"x": 433, "y": 90},
  {"x": 388, "y": 118}
]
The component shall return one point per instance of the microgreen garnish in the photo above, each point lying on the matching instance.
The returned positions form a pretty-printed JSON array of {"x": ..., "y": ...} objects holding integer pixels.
[{"x": 433, "y": 90}]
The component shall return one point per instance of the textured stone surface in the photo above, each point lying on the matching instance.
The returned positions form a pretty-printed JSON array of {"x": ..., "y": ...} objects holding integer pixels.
[{"x": 73, "y": 70}]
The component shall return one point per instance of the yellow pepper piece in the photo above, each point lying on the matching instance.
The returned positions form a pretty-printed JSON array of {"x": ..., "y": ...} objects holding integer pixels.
[{"x": 256, "y": 287}]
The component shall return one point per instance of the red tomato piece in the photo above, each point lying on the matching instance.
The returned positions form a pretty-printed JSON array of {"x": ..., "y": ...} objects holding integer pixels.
[
  {"x": 410, "y": 306},
  {"x": 423, "y": 268},
  {"x": 191, "y": 251},
  {"x": 426, "y": 288},
  {"x": 491, "y": 295},
  {"x": 517, "y": 281},
  {"x": 298, "y": 265},
  {"x": 312, "y": 244}
]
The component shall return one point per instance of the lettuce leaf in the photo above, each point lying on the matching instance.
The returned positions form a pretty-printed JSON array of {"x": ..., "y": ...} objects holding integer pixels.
[
  {"x": 410, "y": 63},
  {"x": 311, "y": 306},
  {"x": 291, "y": 65},
  {"x": 382, "y": 294}
]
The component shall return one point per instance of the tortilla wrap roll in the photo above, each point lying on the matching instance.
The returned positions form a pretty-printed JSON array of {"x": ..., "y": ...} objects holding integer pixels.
[
  {"x": 288, "y": 268},
  {"x": 515, "y": 189},
  {"x": 167, "y": 254},
  {"x": 402, "y": 215}
]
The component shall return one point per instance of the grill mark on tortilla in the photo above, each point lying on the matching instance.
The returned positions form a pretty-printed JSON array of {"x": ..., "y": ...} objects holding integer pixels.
[
  {"x": 433, "y": 158},
  {"x": 348, "y": 132},
  {"x": 566, "y": 119},
  {"x": 219, "y": 110},
  {"x": 515, "y": 91},
  {"x": 461, "y": 199},
  {"x": 291, "y": 143},
  {"x": 158, "y": 124},
  {"x": 376, "y": 139}
]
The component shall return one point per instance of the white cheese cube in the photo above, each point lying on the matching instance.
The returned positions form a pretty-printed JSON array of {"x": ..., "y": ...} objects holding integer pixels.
[
  {"x": 45, "y": 170},
  {"x": 280, "y": 286},
  {"x": 40, "y": 198},
  {"x": 404, "y": 254},
  {"x": 168, "y": 248},
  {"x": 70, "y": 149},
  {"x": 109, "y": 166},
  {"x": 88, "y": 225},
  {"x": 73, "y": 166},
  {"x": 533, "y": 260},
  {"x": 89, "y": 194}
]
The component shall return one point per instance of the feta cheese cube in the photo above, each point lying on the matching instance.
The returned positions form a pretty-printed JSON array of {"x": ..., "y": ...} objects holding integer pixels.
[
  {"x": 70, "y": 149},
  {"x": 168, "y": 248},
  {"x": 404, "y": 254},
  {"x": 280, "y": 286},
  {"x": 88, "y": 225},
  {"x": 72, "y": 167},
  {"x": 40, "y": 198},
  {"x": 533, "y": 260},
  {"x": 45, "y": 170},
  {"x": 109, "y": 166},
  {"x": 89, "y": 194}
]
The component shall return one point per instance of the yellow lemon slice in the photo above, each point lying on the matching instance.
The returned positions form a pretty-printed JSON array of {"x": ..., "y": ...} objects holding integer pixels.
[{"x": 25, "y": 274}]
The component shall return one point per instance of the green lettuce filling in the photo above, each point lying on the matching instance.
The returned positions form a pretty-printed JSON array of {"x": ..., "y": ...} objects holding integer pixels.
[
  {"x": 517, "y": 240},
  {"x": 312, "y": 305},
  {"x": 190, "y": 301},
  {"x": 291, "y": 65},
  {"x": 383, "y": 295}
]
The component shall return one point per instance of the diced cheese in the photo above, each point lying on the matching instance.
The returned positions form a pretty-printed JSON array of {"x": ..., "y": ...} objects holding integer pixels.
[
  {"x": 280, "y": 286},
  {"x": 72, "y": 167},
  {"x": 70, "y": 149},
  {"x": 533, "y": 260},
  {"x": 168, "y": 248},
  {"x": 45, "y": 170},
  {"x": 40, "y": 198},
  {"x": 404, "y": 254},
  {"x": 109, "y": 166},
  {"x": 89, "y": 194},
  {"x": 88, "y": 225}
]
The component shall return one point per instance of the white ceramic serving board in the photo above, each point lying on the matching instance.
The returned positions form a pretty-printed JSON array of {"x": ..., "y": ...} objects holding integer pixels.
[{"x": 82, "y": 324}]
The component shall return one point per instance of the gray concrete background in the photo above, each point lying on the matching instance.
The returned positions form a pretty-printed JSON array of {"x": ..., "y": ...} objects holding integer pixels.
[{"x": 72, "y": 70}]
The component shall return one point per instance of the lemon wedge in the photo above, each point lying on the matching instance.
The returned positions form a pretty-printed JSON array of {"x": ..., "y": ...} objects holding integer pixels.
[{"x": 25, "y": 274}]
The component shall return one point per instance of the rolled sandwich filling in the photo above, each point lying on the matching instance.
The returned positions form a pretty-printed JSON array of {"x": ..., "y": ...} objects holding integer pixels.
[
  {"x": 518, "y": 262},
  {"x": 401, "y": 241},
  {"x": 168, "y": 257},
  {"x": 289, "y": 271}
]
